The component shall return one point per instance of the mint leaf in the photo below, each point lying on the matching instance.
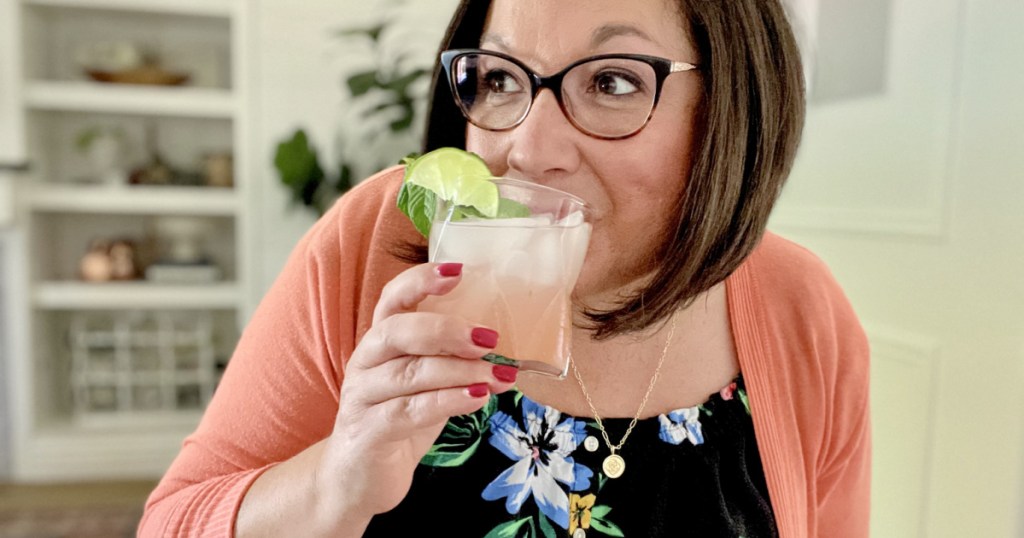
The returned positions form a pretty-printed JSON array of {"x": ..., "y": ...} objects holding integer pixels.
[
  {"x": 463, "y": 212},
  {"x": 511, "y": 209},
  {"x": 418, "y": 204},
  {"x": 507, "y": 209}
]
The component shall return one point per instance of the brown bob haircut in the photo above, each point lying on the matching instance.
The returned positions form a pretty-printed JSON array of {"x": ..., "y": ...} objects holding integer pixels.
[{"x": 749, "y": 124}]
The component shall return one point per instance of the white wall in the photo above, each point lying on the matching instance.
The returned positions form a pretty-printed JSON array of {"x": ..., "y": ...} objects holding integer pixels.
[{"x": 911, "y": 187}]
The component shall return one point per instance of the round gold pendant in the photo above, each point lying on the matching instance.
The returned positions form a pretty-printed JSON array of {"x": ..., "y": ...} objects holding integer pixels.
[{"x": 614, "y": 466}]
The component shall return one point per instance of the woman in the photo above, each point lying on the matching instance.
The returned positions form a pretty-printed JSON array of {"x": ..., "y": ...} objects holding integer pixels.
[{"x": 347, "y": 412}]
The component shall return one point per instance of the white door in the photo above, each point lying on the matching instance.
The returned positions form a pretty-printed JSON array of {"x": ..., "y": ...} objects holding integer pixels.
[{"x": 910, "y": 184}]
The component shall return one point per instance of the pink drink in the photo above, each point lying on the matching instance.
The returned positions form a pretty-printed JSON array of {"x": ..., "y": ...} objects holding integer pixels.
[{"x": 518, "y": 276}]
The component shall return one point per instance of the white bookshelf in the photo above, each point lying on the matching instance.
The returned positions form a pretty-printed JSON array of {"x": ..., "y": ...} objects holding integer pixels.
[
  {"x": 134, "y": 295},
  {"x": 59, "y": 211},
  {"x": 206, "y": 8},
  {"x": 85, "y": 96},
  {"x": 136, "y": 200}
]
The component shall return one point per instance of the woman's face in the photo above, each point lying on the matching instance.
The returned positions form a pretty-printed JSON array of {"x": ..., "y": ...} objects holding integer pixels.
[{"x": 631, "y": 183}]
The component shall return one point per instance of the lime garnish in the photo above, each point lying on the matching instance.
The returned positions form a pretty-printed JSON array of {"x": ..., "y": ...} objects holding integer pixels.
[{"x": 455, "y": 176}]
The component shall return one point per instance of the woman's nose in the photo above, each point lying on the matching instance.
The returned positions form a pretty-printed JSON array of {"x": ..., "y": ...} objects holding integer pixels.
[{"x": 543, "y": 146}]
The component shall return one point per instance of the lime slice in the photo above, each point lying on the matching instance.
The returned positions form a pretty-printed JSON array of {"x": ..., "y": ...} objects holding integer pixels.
[{"x": 456, "y": 176}]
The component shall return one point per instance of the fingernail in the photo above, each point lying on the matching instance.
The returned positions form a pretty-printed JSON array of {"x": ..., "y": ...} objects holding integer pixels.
[
  {"x": 506, "y": 374},
  {"x": 478, "y": 391},
  {"x": 449, "y": 269},
  {"x": 485, "y": 337}
]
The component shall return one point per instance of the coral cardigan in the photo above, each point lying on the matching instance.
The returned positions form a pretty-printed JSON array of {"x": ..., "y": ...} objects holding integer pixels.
[{"x": 801, "y": 349}]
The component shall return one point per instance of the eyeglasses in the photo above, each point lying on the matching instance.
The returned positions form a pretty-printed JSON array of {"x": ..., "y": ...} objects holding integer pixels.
[{"x": 610, "y": 96}]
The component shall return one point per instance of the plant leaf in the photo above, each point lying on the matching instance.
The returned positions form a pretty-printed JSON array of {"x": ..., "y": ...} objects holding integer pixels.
[
  {"x": 372, "y": 32},
  {"x": 418, "y": 203},
  {"x": 510, "y": 529},
  {"x": 545, "y": 527},
  {"x": 345, "y": 180},
  {"x": 299, "y": 167},
  {"x": 606, "y": 527},
  {"x": 404, "y": 122},
  {"x": 400, "y": 85},
  {"x": 600, "y": 511},
  {"x": 360, "y": 83},
  {"x": 511, "y": 209},
  {"x": 449, "y": 455},
  {"x": 460, "y": 438}
]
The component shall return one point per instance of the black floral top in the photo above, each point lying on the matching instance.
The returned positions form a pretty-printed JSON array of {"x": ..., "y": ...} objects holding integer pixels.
[{"x": 517, "y": 468}]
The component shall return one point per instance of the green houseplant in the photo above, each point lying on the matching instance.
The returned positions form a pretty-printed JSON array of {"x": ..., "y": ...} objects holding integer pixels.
[{"x": 390, "y": 102}]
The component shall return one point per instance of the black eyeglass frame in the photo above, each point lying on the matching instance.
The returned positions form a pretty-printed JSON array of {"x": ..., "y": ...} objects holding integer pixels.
[{"x": 662, "y": 69}]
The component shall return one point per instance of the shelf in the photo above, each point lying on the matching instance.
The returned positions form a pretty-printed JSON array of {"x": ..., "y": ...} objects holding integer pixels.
[
  {"x": 200, "y": 8},
  {"x": 71, "y": 295},
  {"x": 121, "y": 447},
  {"x": 134, "y": 200},
  {"x": 176, "y": 101}
]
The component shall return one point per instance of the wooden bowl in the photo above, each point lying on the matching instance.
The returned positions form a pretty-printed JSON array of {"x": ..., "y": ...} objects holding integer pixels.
[{"x": 146, "y": 75}]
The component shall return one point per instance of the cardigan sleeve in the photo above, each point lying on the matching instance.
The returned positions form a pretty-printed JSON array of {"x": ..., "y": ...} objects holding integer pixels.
[
  {"x": 844, "y": 467},
  {"x": 812, "y": 388},
  {"x": 280, "y": 392}
]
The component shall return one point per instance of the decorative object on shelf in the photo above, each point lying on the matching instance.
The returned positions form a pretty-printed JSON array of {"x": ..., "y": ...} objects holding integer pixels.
[
  {"x": 141, "y": 362},
  {"x": 105, "y": 147},
  {"x": 95, "y": 264},
  {"x": 107, "y": 260},
  {"x": 389, "y": 97},
  {"x": 156, "y": 171},
  {"x": 123, "y": 264},
  {"x": 182, "y": 258},
  {"x": 122, "y": 62},
  {"x": 218, "y": 170}
]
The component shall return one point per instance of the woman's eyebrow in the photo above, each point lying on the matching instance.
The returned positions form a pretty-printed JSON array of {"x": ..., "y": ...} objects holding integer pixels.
[
  {"x": 496, "y": 40},
  {"x": 608, "y": 31},
  {"x": 600, "y": 36}
]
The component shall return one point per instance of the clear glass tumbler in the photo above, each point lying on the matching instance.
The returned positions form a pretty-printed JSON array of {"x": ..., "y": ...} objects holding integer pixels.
[{"x": 518, "y": 273}]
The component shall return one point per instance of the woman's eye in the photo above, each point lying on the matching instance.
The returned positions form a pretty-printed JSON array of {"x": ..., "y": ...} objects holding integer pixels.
[
  {"x": 615, "y": 84},
  {"x": 501, "y": 82}
]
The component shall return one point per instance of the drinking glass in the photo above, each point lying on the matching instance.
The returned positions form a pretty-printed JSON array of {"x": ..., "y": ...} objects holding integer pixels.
[{"x": 518, "y": 273}]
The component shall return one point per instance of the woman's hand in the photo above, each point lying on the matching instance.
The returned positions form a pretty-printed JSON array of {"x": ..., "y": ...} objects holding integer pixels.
[{"x": 411, "y": 372}]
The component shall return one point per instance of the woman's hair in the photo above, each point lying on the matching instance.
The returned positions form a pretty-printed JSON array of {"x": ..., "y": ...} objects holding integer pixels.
[{"x": 748, "y": 130}]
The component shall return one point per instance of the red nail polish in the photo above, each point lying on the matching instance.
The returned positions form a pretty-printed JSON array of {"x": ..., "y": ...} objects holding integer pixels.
[
  {"x": 478, "y": 391},
  {"x": 449, "y": 269},
  {"x": 506, "y": 374},
  {"x": 485, "y": 337}
]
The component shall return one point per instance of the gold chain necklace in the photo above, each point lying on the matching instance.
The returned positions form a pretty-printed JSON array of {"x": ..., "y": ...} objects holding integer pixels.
[{"x": 614, "y": 465}]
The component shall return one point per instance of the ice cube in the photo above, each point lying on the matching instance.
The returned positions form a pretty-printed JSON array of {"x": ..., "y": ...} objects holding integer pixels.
[{"x": 572, "y": 219}]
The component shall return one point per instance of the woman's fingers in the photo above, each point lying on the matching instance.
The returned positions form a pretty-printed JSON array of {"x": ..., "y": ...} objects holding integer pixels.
[
  {"x": 415, "y": 375},
  {"x": 427, "y": 409},
  {"x": 412, "y": 286},
  {"x": 422, "y": 334}
]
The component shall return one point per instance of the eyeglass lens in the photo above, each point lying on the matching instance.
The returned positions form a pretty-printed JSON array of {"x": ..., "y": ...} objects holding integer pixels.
[{"x": 606, "y": 97}]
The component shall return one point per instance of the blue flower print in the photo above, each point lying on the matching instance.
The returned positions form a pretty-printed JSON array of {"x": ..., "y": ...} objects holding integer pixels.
[
  {"x": 542, "y": 450},
  {"x": 681, "y": 425}
]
